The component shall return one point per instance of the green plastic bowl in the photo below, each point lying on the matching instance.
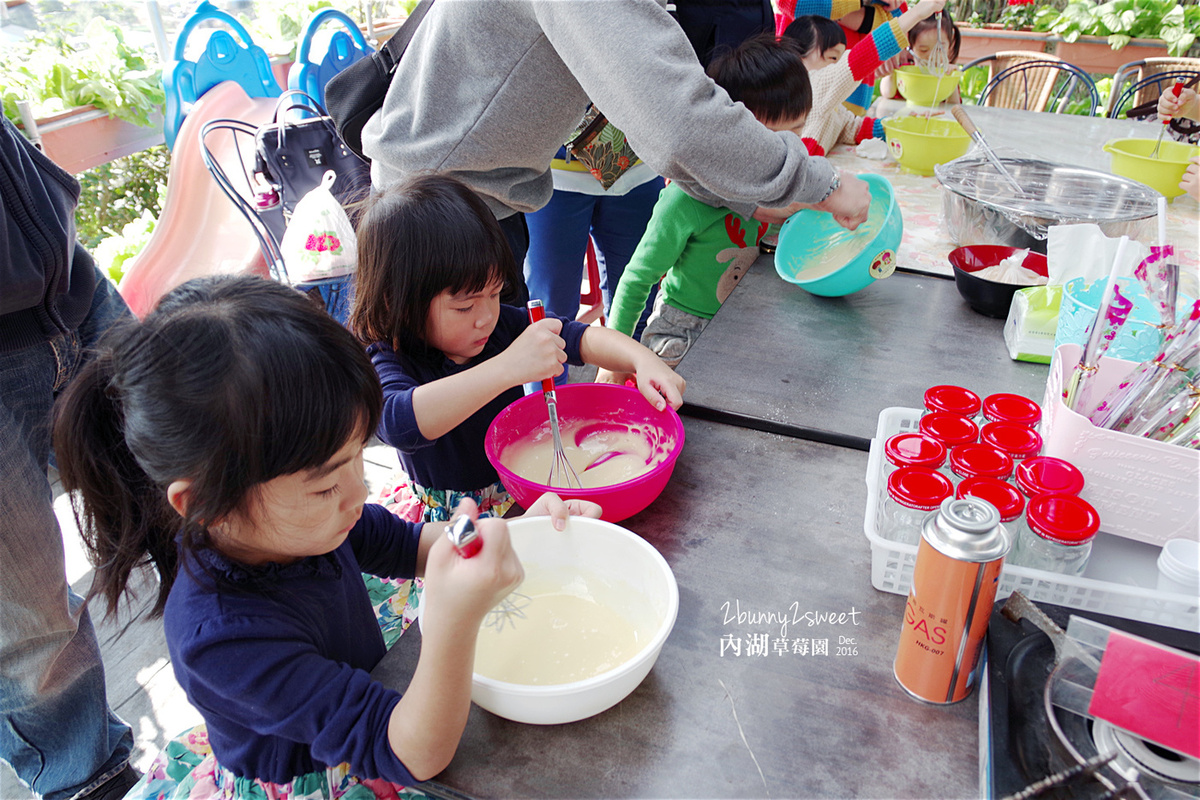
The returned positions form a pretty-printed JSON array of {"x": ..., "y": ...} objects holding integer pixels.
[
  {"x": 919, "y": 143},
  {"x": 922, "y": 89},
  {"x": 1131, "y": 158},
  {"x": 808, "y": 233}
]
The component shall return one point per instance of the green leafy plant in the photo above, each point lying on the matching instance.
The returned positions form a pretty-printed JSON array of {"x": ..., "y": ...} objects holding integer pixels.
[
  {"x": 112, "y": 253},
  {"x": 1018, "y": 14},
  {"x": 1124, "y": 20},
  {"x": 117, "y": 193},
  {"x": 54, "y": 74}
]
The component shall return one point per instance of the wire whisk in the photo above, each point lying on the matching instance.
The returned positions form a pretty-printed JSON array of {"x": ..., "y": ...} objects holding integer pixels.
[
  {"x": 562, "y": 474},
  {"x": 465, "y": 537},
  {"x": 939, "y": 56}
]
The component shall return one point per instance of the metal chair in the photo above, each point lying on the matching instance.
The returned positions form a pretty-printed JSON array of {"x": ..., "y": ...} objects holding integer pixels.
[
  {"x": 1147, "y": 79},
  {"x": 1036, "y": 82}
]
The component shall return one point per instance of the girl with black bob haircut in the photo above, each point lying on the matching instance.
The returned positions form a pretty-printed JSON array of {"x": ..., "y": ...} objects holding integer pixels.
[
  {"x": 432, "y": 264},
  {"x": 221, "y": 440}
]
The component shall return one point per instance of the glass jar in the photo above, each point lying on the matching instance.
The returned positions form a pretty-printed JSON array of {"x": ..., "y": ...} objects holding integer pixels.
[
  {"x": 1019, "y": 441},
  {"x": 949, "y": 429},
  {"x": 1046, "y": 474},
  {"x": 912, "y": 492},
  {"x": 1001, "y": 494},
  {"x": 1005, "y": 407},
  {"x": 954, "y": 399},
  {"x": 1056, "y": 535},
  {"x": 979, "y": 460},
  {"x": 912, "y": 450}
]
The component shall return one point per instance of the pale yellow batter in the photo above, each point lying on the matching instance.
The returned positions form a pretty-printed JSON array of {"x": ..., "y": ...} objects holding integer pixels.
[
  {"x": 842, "y": 247},
  {"x": 568, "y": 634},
  {"x": 600, "y": 455}
]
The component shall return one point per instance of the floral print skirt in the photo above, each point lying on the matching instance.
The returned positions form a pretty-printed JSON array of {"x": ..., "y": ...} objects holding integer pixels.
[{"x": 187, "y": 770}]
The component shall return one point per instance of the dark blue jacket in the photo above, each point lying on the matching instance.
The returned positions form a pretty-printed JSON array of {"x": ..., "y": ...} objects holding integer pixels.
[{"x": 46, "y": 277}]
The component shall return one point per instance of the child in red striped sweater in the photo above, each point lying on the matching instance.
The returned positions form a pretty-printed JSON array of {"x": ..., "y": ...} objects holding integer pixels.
[{"x": 834, "y": 71}]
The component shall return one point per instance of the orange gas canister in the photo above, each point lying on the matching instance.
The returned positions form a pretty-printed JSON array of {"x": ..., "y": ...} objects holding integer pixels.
[{"x": 954, "y": 584}]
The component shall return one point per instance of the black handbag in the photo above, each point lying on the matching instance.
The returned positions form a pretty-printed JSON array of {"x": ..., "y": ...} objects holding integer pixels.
[
  {"x": 294, "y": 155},
  {"x": 357, "y": 92}
]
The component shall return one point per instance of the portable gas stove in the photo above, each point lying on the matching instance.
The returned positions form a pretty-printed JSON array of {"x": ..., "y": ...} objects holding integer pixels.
[{"x": 1020, "y": 744}]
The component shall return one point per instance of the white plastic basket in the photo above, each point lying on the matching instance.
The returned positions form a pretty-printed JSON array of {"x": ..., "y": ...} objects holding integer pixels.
[{"x": 1116, "y": 581}]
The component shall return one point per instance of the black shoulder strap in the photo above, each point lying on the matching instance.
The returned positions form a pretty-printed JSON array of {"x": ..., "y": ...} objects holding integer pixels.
[{"x": 395, "y": 46}]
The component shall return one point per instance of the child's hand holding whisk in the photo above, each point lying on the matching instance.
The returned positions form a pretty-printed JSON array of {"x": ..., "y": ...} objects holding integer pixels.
[
  {"x": 1187, "y": 104},
  {"x": 538, "y": 353},
  {"x": 460, "y": 591}
]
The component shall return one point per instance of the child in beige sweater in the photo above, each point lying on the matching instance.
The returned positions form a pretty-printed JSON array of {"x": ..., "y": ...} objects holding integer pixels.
[{"x": 834, "y": 71}]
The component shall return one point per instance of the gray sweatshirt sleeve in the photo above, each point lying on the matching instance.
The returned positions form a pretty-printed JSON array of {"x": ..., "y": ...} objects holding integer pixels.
[{"x": 637, "y": 66}]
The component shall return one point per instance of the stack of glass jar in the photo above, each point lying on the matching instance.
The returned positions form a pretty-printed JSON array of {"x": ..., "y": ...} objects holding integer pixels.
[{"x": 951, "y": 455}]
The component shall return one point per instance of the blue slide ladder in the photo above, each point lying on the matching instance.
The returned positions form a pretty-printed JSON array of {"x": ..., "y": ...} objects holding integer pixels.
[
  {"x": 223, "y": 59},
  {"x": 344, "y": 48}
]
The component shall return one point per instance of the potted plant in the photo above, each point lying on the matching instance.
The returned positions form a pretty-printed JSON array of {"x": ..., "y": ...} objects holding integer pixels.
[
  {"x": 92, "y": 104},
  {"x": 1102, "y": 37}
]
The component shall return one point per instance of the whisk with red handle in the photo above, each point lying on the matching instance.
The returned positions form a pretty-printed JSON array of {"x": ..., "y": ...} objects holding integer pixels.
[
  {"x": 562, "y": 474},
  {"x": 463, "y": 534},
  {"x": 1176, "y": 90}
]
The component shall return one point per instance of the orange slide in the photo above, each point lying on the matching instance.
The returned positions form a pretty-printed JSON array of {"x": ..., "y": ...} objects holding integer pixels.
[{"x": 200, "y": 231}]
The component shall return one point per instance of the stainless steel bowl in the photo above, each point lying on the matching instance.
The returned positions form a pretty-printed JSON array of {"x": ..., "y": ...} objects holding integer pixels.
[{"x": 980, "y": 207}]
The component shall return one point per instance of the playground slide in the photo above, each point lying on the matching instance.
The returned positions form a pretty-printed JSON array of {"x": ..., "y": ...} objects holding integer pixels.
[{"x": 200, "y": 231}]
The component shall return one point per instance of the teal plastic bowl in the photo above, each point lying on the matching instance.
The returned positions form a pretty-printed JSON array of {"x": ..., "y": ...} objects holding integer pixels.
[{"x": 809, "y": 235}]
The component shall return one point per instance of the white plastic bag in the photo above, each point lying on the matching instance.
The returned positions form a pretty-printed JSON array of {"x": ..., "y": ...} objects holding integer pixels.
[{"x": 319, "y": 241}]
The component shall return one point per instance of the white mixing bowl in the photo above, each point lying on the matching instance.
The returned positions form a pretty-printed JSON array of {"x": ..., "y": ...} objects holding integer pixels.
[{"x": 643, "y": 587}]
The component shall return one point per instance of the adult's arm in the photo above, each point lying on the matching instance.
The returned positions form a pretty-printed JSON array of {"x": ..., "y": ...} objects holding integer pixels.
[{"x": 643, "y": 74}]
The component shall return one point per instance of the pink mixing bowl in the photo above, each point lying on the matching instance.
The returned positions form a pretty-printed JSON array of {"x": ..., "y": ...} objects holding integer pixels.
[{"x": 595, "y": 404}]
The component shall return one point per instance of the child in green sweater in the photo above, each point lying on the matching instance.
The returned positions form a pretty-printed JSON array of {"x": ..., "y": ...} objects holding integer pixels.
[{"x": 697, "y": 251}]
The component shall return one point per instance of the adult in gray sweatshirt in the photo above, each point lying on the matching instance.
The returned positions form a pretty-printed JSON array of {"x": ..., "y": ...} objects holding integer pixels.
[{"x": 489, "y": 89}]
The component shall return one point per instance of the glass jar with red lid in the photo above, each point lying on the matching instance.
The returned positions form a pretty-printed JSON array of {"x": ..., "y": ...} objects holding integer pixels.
[
  {"x": 1004, "y": 407},
  {"x": 1019, "y": 441},
  {"x": 979, "y": 460},
  {"x": 1001, "y": 494},
  {"x": 1047, "y": 474},
  {"x": 912, "y": 493},
  {"x": 954, "y": 399},
  {"x": 949, "y": 429},
  {"x": 1057, "y": 534},
  {"x": 910, "y": 449}
]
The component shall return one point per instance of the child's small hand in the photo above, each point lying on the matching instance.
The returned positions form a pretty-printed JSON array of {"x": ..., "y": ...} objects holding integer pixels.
[
  {"x": 553, "y": 506},
  {"x": 538, "y": 353},
  {"x": 659, "y": 384},
  {"x": 1191, "y": 179},
  {"x": 927, "y": 8},
  {"x": 1186, "y": 105}
]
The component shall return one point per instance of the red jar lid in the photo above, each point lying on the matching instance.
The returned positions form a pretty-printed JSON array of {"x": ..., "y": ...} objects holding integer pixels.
[
  {"x": 1062, "y": 518},
  {"x": 949, "y": 429},
  {"x": 919, "y": 487},
  {"x": 1004, "y": 496},
  {"x": 1045, "y": 474},
  {"x": 1011, "y": 408},
  {"x": 1019, "y": 441},
  {"x": 954, "y": 399},
  {"x": 914, "y": 450},
  {"x": 978, "y": 460}
]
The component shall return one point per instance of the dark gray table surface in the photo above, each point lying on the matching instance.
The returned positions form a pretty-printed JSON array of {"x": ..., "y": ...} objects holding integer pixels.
[
  {"x": 829, "y": 364},
  {"x": 754, "y": 522}
]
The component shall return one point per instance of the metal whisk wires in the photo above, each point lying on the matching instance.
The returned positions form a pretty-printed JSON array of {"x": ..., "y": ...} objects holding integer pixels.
[
  {"x": 463, "y": 534},
  {"x": 939, "y": 57},
  {"x": 562, "y": 474}
]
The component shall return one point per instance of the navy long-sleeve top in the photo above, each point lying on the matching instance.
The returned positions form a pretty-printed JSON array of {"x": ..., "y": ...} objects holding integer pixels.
[
  {"x": 456, "y": 459},
  {"x": 278, "y": 659}
]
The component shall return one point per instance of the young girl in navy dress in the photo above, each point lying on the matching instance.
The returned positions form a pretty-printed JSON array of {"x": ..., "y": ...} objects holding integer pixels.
[
  {"x": 221, "y": 440},
  {"x": 432, "y": 262}
]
